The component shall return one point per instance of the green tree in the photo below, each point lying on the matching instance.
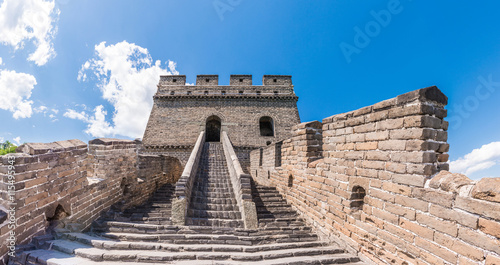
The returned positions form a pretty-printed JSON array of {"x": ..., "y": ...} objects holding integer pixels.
[{"x": 7, "y": 147}]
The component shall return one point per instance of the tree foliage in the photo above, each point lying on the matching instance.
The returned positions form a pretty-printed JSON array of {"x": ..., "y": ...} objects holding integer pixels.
[{"x": 7, "y": 147}]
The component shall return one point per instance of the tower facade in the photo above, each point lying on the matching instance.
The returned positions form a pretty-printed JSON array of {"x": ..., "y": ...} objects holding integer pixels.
[{"x": 252, "y": 116}]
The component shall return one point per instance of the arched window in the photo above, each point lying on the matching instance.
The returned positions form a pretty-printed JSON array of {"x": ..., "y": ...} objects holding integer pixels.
[
  {"x": 357, "y": 197},
  {"x": 266, "y": 126}
]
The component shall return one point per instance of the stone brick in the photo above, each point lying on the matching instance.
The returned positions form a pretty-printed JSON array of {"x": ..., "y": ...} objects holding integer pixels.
[
  {"x": 416, "y": 228},
  {"x": 413, "y": 133},
  {"x": 489, "y": 227},
  {"x": 437, "y": 197},
  {"x": 395, "y": 167},
  {"x": 395, "y": 188},
  {"x": 369, "y": 127},
  {"x": 458, "y": 246},
  {"x": 390, "y": 124},
  {"x": 377, "y": 136},
  {"x": 412, "y": 180},
  {"x": 396, "y": 145},
  {"x": 436, "y": 250},
  {"x": 386, "y": 216},
  {"x": 412, "y": 203},
  {"x": 377, "y": 155},
  {"x": 478, "y": 239},
  {"x": 483, "y": 208},
  {"x": 383, "y": 195},
  {"x": 487, "y": 189},
  {"x": 401, "y": 211},
  {"x": 367, "y": 146},
  {"x": 460, "y": 217},
  {"x": 447, "y": 227},
  {"x": 492, "y": 260}
]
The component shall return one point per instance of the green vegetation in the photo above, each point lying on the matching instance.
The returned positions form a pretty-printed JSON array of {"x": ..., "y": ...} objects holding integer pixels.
[{"x": 7, "y": 147}]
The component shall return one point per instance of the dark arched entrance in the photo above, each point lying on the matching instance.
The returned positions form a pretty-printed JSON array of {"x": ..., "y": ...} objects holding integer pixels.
[{"x": 213, "y": 129}]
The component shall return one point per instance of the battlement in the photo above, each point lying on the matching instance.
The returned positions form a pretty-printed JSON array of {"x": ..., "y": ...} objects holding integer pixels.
[
  {"x": 240, "y": 80},
  {"x": 277, "y": 80},
  {"x": 207, "y": 80},
  {"x": 173, "y": 80},
  {"x": 234, "y": 80},
  {"x": 275, "y": 86}
]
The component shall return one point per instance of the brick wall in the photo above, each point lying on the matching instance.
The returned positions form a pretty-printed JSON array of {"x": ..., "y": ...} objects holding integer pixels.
[
  {"x": 374, "y": 186},
  {"x": 84, "y": 180}
]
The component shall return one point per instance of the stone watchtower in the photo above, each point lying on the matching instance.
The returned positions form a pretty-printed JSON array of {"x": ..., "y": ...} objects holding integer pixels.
[{"x": 253, "y": 116}]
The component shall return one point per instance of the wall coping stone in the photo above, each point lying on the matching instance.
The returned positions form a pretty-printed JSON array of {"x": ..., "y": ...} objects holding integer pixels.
[
  {"x": 43, "y": 148},
  {"x": 111, "y": 141}
]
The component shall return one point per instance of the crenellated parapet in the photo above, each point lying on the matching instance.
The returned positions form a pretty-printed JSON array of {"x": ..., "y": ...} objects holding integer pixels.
[{"x": 275, "y": 86}]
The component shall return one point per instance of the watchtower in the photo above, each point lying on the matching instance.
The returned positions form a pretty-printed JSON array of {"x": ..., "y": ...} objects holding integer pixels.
[{"x": 253, "y": 116}]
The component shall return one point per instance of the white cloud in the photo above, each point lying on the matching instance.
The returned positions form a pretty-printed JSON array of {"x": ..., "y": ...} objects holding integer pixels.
[
  {"x": 55, "y": 111},
  {"x": 127, "y": 78},
  {"x": 17, "y": 140},
  {"x": 15, "y": 89},
  {"x": 29, "y": 20},
  {"x": 482, "y": 158},
  {"x": 40, "y": 109},
  {"x": 2, "y": 140},
  {"x": 73, "y": 114},
  {"x": 1, "y": 61}
]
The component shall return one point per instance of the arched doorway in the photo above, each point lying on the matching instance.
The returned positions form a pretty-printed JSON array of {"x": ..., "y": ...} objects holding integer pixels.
[{"x": 212, "y": 129}]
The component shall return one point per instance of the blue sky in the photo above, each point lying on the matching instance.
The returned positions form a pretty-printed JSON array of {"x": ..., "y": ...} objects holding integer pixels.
[{"x": 81, "y": 69}]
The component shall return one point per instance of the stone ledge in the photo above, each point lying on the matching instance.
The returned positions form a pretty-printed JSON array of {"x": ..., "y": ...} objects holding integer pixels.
[
  {"x": 110, "y": 141},
  {"x": 487, "y": 189},
  {"x": 42, "y": 148},
  {"x": 450, "y": 182},
  {"x": 428, "y": 95}
]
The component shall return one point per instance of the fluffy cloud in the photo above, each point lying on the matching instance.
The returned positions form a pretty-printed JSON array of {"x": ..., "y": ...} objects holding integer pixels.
[
  {"x": 479, "y": 159},
  {"x": 73, "y": 114},
  {"x": 127, "y": 77},
  {"x": 15, "y": 89},
  {"x": 41, "y": 109},
  {"x": 17, "y": 140},
  {"x": 29, "y": 20},
  {"x": 1, "y": 61}
]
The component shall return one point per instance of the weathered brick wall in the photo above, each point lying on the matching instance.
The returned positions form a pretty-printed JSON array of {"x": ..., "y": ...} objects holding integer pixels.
[
  {"x": 84, "y": 181},
  {"x": 375, "y": 187},
  {"x": 45, "y": 176}
]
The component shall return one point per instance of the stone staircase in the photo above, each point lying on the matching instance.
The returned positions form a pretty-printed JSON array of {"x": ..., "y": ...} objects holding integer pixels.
[
  {"x": 214, "y": 233},
  {"x": 212, "y": 199}
]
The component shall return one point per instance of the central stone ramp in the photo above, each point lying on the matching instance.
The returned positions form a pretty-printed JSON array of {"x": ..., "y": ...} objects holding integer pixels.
[{"x": 213, "y": 201}]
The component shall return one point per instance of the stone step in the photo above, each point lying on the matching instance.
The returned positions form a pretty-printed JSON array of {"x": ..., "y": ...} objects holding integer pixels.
[
  {"x": 210, "y": 194},
  {"x": 52, "y": 257},
  {"x": 212, "y": 184},
  {"x": 104, "y": 243},
  {"x": 211, "y": 238},
  {"x": 214, "y": 214},
  {"x": 150, "y": 252},
  {"x": 42, "y": 257},
  {"x": 214, "y": 207},
  {"x": 213, "y": 222},
  {"x": 227, "y": 201},
  {"x": 218, "y": 189}
]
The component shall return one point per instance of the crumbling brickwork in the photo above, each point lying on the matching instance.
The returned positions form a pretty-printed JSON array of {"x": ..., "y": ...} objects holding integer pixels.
[
  {"x": 81, "y": 181},
  {"x": 374, "y": 186}
]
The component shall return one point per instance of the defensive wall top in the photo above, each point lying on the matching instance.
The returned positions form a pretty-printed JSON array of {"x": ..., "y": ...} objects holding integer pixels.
[{"x": 238, "y": 84}]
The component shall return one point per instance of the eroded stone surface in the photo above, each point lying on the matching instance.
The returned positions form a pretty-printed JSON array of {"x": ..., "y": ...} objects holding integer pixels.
[
  {"x": 487, "y": 189},
  {"x": 448, "y": 181}
]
